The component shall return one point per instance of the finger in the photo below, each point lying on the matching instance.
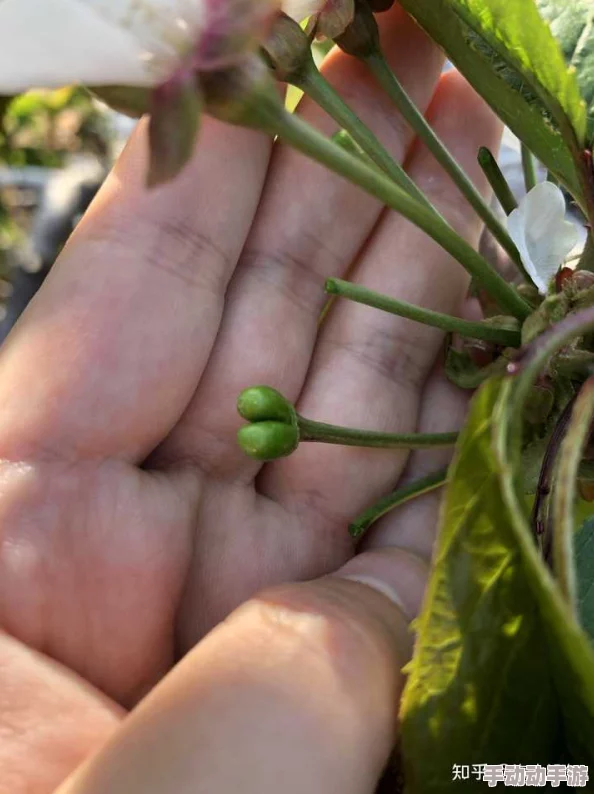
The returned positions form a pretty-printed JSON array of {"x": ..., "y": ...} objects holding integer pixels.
[
  {"x": 50, "y": 720},
  {"x": 297, "y": 691},
  {"x": 370, "y": 367},
  {"x": 311, "y": 224},
  {"x": 108, "y": 355},
  {"x": 413, "y": 527}
]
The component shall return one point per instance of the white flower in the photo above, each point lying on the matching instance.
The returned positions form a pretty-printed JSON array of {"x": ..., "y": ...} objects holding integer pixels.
[
  {"x": 50, "y": 43},
  {"x": 542, "y": 235}
]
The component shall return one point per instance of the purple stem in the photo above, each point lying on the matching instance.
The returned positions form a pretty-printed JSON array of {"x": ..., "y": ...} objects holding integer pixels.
[{"x": 540, "y": 525}]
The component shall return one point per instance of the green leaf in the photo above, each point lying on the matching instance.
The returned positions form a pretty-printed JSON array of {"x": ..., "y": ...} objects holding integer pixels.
[
  {"x": 572, "y": 24},
  {"x": 509, "y": 55},
  {"x": 569, "y": 651},
  {"x": 584, "y": 569},
  {"x": 480, "y": 684}
]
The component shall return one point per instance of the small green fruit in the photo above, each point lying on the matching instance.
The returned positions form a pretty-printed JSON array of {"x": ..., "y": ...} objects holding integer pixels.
[
  {"x": 263, "y": 403},
  {"x": 268, "y": 440}
]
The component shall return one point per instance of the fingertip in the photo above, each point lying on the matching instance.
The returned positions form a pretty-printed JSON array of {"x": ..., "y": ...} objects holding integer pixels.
[{"x": 399, "y": 574}]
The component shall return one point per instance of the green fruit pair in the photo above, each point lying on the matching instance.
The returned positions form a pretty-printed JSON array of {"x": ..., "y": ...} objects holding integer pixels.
[{"x": 273, "y": 431}]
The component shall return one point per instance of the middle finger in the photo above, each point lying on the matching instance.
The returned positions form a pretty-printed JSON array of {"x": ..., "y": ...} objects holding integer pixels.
[{"x": 310, "y": 225}]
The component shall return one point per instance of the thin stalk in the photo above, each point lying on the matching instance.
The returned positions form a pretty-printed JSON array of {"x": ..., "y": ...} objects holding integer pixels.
[
  {"x": 476, "y": 330},
  {"x": 290, "y": 128},
  {"x": 499, "y": 184},
  {"x": 312, "y": 83},
  {"x": 387, "y": 79},
  {"x": 395, "y": 499},
  {"x": 528, "y": 168},
  {"x": 545, "y": 481},
  {"x": 565, "y": 491},
  {"x": 354, "y": 437}
]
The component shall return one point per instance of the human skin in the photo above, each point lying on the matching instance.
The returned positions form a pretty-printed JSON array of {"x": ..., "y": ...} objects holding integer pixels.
[{"x": 134, "y": 531}]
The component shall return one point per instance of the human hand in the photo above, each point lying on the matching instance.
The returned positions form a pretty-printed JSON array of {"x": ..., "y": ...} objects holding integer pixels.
[{"x": 132, "y": 523}]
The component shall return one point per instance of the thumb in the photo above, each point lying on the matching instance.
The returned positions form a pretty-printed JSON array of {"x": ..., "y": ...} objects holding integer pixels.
[{"x": 298, "y": 690}]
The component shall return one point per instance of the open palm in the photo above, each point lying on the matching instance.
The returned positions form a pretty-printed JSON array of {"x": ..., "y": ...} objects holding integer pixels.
[{"x": 131, "y": 521}]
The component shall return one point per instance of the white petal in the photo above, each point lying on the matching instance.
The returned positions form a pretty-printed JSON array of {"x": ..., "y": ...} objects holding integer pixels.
[
  {"x": 543, "y": 237},
  {"x": 49, "y": 43},
  {"x": 300, "y": 9}
]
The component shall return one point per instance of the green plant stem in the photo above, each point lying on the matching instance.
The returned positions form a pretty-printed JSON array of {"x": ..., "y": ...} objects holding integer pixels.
[
  {"x": 498, "y": 182},
  {"x": 312, "y": 83},
  {"x": 387, "y": 79},
  {"x": 395, "y": 499},
  {"x": 489, "y": 333},
  {"x": 272, "y": 117},
  {"x": 528, "y": 168},
  {"x": 565, "y": 491},
  {"x": 353, "y": 437}
]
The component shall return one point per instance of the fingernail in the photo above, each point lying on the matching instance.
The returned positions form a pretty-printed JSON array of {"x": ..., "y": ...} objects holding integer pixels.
[{"x": 395, "y": 573}]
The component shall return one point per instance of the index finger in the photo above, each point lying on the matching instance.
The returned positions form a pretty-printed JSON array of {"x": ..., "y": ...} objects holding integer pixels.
[{"x": 109, "y": 353}]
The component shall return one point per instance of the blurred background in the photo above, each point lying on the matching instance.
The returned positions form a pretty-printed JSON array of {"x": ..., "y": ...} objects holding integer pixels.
[{"x": 56, "y": 148}]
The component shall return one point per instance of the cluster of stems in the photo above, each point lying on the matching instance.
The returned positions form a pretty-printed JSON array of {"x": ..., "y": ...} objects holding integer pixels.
[{"x": 277, "y": 429}]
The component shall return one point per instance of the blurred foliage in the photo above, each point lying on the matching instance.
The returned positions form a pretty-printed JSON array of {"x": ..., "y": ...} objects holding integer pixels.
[{"x": 43, "y": 129}]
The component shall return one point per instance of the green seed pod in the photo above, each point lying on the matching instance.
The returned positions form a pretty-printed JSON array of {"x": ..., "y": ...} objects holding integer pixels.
[
  {"x": 263, "y": 403},
  {"x": 268, "y": 440}
]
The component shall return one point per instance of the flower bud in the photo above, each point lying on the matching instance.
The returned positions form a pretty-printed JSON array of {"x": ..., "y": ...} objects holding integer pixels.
[
  {"x": 530, "y": 293},
  {"x": 332, "y": 20},
  {"x": 552, "y": 310},
  {"x": 573, "y": 281},
  {"x": 582, "y": 279},
  {"x": 268, "y": 440},
  {"x": 263, "y": 403},
  {"x": 287, "y": 49},
  {"x": 361, "y": 38},
  {"x": 481, "y": 353},
  {"x": 243, "y": 94}
]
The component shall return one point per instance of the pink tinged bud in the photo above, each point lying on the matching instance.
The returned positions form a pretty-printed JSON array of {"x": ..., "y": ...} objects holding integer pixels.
[
  {"x": 287, "y": 49},
  {"x": 361, "y": 38},
  {"x": 232, "y": 29},
  {"x": 173, "y": 127},
  {"x": 333, "y": 19}
]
